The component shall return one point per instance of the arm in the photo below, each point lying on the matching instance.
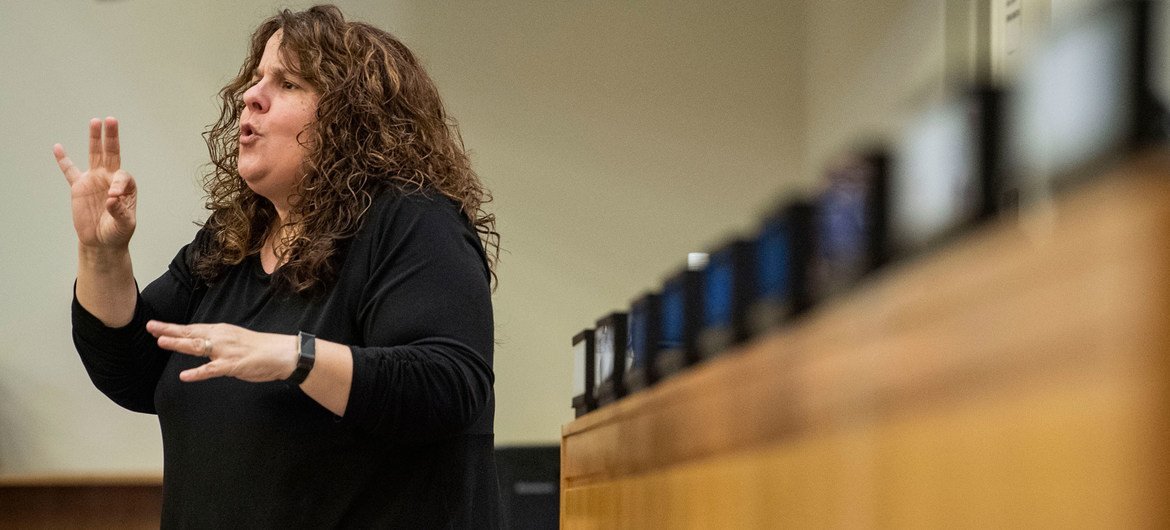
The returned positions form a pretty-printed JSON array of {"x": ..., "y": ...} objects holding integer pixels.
[
  {"x": 104, "y": 202},
  {"x": 125, "y": 362},
  {"x": 108, "y": 314},
  {"x": 425, "y": 370},
  {"x": 258, "y": 357}
]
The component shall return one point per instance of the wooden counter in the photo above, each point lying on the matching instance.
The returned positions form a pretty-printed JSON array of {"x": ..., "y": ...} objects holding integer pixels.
[
  {"x": 81, "y": 501},
  {"x": 1016, "y": 378}
]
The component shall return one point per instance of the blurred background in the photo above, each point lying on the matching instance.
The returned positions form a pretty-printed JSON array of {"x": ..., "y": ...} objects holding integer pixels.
[{"x": 616, "y": 137}]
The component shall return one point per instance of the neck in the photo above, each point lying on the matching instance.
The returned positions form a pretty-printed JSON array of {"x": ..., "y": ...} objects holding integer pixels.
[
  {"x": 273, "y": 253},
  {"x": 282, "y": 212},
  {"x": 279, "y": 231}
]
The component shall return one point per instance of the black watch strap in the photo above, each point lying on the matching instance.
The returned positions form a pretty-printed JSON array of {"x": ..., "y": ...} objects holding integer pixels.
[{"x": 306, "y": 356}]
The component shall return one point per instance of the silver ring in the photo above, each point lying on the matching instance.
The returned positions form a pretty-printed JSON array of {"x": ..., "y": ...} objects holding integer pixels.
[{"x": 207, "y": 347}]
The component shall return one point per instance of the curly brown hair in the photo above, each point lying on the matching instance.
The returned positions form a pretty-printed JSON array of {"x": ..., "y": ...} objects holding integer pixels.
[{"x": 380, "y": 123}]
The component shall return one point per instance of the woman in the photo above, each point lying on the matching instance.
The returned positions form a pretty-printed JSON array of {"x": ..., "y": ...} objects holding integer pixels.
[{"x": 321, "y": 354}]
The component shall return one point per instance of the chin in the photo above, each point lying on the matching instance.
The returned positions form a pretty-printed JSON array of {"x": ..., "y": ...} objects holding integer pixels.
[
  {"x": 248, "y": 173},
  {"x": 249, "y": 179}
]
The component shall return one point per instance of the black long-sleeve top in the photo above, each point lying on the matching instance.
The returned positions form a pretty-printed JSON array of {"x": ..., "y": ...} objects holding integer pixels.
[{"x": 414, "y": 448}]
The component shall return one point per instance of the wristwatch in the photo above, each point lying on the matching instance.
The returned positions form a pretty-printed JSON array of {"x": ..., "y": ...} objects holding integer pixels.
[{"x": 306, "y": 356}]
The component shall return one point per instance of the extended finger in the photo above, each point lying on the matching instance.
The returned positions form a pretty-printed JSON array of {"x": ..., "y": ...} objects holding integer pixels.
[
  {"x": 206, "y": 371},
  {"x": 95, "y": 143},
  {"x": 112, "y": 147},
  {"x": 71, "y": 172},
  {"x": 196, "y": 346},
  {"x": 159, "y": 329}
]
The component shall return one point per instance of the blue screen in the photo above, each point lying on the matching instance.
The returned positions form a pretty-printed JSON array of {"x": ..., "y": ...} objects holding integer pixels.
[
  {"x": 636, "y": 341},
  {"x": 841, "y": 234},
  {"x": 843, "y": 230},
  {"x": 717, "y": 290},
  {"x": 774, "y": 261},
  {"x": 673, "y": 319}
]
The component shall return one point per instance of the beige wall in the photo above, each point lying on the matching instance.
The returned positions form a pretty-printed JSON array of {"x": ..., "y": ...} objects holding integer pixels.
[{"x": 870, "y": 65}]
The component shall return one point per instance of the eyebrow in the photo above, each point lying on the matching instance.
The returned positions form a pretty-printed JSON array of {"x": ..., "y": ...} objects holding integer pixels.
[{"x": 275, "y": 72}]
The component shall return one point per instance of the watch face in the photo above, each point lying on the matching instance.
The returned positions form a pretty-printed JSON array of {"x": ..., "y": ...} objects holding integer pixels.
[{"x": 604, "y": 353}]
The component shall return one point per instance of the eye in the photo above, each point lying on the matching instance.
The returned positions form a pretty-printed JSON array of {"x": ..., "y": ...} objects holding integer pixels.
[{"x": 288, "y": 85}]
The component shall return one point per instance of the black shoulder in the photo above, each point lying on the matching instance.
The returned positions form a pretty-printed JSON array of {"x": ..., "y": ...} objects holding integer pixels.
[
  {"x": 430, "y": 218},
  {"x": 398, "y": 202},
  {"x": 395, "y": 210},
  {"x": 199, "y": 246}
]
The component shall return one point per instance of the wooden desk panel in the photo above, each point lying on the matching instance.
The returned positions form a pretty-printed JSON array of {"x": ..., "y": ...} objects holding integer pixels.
[{"x": 84, "y": 501}]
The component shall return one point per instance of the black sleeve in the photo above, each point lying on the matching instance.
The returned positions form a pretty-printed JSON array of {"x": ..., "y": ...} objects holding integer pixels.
[
  {"x": 425, "y": 370},
  {"x": 125, "y": 363}
]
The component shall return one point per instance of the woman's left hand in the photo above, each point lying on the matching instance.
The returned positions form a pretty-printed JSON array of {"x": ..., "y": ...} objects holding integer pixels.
[{"x": 233, "y": 351}]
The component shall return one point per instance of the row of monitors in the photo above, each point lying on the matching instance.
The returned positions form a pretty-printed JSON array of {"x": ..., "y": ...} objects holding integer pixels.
[{"x": 1085, "y": 100}]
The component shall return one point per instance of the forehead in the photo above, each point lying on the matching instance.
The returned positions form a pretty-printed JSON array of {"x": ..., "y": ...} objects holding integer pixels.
[{"x": 271, "y": 60}]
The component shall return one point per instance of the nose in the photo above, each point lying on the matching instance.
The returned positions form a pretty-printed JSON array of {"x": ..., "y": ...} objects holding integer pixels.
[{"x": 255, "y": 98}]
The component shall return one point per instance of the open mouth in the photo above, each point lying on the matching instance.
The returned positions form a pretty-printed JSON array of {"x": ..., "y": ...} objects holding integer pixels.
[{"x": 247, "y": 133}]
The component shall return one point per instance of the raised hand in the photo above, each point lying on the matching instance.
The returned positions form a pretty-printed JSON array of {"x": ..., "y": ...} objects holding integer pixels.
[{"x": 105, "y": 198}]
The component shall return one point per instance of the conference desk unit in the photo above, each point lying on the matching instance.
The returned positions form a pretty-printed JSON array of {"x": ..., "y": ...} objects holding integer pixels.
[{"x": 1018, "y": 377}]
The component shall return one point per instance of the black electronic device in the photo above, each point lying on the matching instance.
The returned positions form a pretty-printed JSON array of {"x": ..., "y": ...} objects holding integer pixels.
[
  {"x": 727, "y": 284},
  {"x": 1083, "y": 100},
  {"x": 851, "y": 222},
  {"x": 944, "y": 178},
  {"x": 782, "y": 259},
  {"x": 583, "y": 372},
  {"x": 680, "y": 311},
  {"x": 529, "y": 478},
  {"x": 609, "y": 340},
  {"x": 644, "y": 338}
]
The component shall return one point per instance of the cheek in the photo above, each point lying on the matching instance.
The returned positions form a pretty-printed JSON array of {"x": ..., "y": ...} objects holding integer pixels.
[
  {"x": 303, "y": 141},
  {"x": 305, "y": 130},
  {"x": 309, "y": 112}
]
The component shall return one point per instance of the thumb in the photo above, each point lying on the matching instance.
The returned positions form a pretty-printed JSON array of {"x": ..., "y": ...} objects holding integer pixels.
[
  {"x": 122, "y": 198},
  {"x": 123, "y": 185}
]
